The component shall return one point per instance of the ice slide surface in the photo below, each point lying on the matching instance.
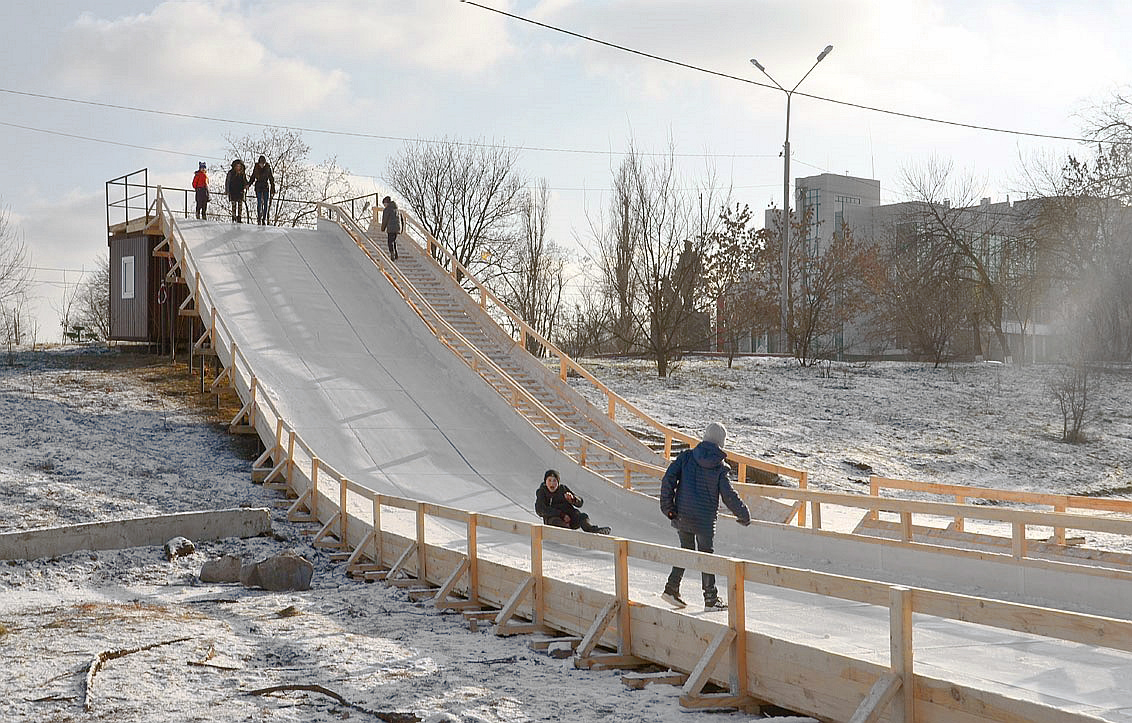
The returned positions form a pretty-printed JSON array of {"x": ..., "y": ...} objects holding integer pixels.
[{"x": 366, "y": 384}]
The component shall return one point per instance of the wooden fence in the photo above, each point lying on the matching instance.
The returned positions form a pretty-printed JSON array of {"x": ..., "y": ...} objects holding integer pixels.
[{"x": 618, "y": 628}]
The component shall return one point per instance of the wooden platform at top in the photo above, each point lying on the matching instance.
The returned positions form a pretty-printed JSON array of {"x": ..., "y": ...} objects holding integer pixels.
[{"x": 150, "y": 225}]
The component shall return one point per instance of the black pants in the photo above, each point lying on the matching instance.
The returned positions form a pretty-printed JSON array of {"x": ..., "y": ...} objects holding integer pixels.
[
  {"x": 392, "y": 240},
  {"x": 202, "y": 202},
  {"x": 704, "y": 541},
  {"x": 237, "y": 208}
]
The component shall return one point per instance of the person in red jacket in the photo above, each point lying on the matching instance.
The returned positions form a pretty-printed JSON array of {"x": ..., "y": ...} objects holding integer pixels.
[{"x": 200, "y": 185}]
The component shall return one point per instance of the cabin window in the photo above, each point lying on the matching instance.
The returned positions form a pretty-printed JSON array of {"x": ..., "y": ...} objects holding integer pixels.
[{"x": 127, "y": 277}]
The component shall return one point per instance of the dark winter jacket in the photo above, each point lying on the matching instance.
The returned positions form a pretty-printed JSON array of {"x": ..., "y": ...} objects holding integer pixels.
[
  {"x": 263, "y": 178},
  {"x": 554, "y": 504},
  {"x": 692, "y": 487},
  {"x": 390, "y": 219},
  {"x": 235, "y": 184}
]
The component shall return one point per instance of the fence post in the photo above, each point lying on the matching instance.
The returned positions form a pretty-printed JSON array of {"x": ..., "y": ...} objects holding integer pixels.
[
  {"x": 538, "y": 593},
  {"x": 900, "y": 652},
  {"x": 473, "y": 558},
  {"x": 737, "y": 621},
  {"x": 421, "y": 556},
  {"x": 621, "y": 582}
]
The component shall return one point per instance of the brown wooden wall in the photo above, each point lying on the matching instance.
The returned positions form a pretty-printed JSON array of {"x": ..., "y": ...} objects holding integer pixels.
[{"x": 149, "y": 316}]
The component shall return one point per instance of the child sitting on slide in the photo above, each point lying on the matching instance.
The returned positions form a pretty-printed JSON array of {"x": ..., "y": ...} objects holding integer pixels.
[{"x": 558, "y": 506}]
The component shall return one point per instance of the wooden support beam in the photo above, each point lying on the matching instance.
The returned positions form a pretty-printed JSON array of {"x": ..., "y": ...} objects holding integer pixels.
[
  {"x": 880, "y": 695},
  {"x": 542, "y": 644},
  {"x": 443, "y": 599},
  {"x": 327, "y": 531},
  {"x": 638, "y": 681},
  {"x": 503, "y": 624},
  {"x": 699, "y": 675},
  {"x": 300, "y": 510},
  {"x": 400, "y": 561}
]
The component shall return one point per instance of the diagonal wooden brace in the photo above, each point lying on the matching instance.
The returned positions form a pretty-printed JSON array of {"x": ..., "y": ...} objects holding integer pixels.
[
  {"x": 444, "y": 600},
  {"x": 300, "y": 511},
  {"x": 692, "y": 695},
  {"x": 503, "y": 624},
  {"x": 880, "y": 695}
]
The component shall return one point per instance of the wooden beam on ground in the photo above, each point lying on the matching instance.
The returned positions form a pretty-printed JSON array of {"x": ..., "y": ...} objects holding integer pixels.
[{"x": 637, "y": 681}]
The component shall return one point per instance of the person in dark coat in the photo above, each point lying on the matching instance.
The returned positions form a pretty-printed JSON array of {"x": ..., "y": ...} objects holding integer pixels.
[
  {"x": 236, "y": 185},
  {"x": 391, "y": 225},
  {"x": 558, "y": 506},
  {"x": 264, "y": 181},
  {"x": 200, "y": 188},
  {"x": 690, "y": 492}
]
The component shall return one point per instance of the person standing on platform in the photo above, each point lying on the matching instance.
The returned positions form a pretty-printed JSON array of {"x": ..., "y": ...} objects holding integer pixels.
[
  {"x": 200, "y": 186},
  {"x": 391, "y": 224},
  {"x": 689, "y": 496},
  {"x": 236, "y": 185},
  {"x": 264, "y": 181}
]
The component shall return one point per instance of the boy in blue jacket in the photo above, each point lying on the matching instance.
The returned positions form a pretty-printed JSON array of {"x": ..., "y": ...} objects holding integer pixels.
[{"x": 689, "y": 496}]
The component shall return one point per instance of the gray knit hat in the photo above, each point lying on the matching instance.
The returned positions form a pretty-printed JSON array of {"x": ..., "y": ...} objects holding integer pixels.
[{"x": 715, "y": 433}]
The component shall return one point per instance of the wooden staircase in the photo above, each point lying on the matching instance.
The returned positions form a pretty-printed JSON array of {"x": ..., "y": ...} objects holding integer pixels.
[{"x": 532, "y": 389}]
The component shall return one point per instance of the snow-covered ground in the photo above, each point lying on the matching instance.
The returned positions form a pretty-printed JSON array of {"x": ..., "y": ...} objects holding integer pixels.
[
  {"x": 977, "y": 424},
  {"x": 90, "y": 435}
]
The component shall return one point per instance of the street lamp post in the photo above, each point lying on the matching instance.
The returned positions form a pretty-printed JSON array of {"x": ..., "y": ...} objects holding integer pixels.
[{"x": 784, "y": 291}]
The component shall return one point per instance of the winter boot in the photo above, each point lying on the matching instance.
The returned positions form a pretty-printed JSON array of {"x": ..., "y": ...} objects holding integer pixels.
[{"x": 672, "y": 597}]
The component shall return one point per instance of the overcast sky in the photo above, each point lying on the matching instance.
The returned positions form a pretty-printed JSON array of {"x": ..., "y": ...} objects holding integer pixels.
[{"x": 434, "y": 68}]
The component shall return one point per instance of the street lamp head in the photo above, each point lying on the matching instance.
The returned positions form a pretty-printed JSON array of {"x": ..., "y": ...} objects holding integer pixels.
[
  {"x": 821, "y": 56},
  {"x": 758, "y": 65}
]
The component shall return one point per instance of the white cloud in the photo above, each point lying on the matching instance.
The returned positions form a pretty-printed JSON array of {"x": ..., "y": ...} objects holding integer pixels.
[
  {"x": 200, "y": 54},
  {"x": 439, "y": 35}
]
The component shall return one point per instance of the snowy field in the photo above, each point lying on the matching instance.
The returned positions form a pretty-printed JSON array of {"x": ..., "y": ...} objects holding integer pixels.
[
  {"x": 977, "y": 424},
  {"x": 89, "y": 435}
]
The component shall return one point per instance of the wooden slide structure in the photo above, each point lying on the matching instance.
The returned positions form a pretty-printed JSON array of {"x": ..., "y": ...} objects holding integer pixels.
[{"x": 731, "y": 663}]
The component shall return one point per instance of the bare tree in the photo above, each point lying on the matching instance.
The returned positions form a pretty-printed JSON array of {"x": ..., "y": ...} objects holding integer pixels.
[
  {"x": 298, "y": 182},
  {"x": 467, "y": 195},
  {"x": 653, "y": 259},
  {"x": 617, "y": 246},
  {"x": 1084, "y": 215},
  {"x": 533, "y": 277},
  {"x": 984, "y": 240},
  {"x": 731, "y": 260},
  {"x": 584, "y": 327},
  {"x": 92, "y": 304},
  {"x": 1070, "y": 389},
  {"x": 924, "y": 298},
  {"x": 836, "y": 290},
  {"x": 15, "y": 276}
]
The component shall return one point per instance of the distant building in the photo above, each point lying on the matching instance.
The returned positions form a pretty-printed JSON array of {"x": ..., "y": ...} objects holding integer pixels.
[{"x": 999, "y": 235}]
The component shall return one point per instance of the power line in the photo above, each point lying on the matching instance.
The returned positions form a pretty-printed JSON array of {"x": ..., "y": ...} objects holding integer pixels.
[
  {"x": 748, "y": 81},
  {"x": 100, "y": 140},
  {"x": 355, "y": 134}
]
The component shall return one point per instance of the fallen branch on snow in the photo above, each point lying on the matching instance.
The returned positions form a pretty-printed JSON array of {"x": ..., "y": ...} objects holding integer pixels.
[
  {"x": 108, "y": 655},
  {"x": 390, "y": 717}
]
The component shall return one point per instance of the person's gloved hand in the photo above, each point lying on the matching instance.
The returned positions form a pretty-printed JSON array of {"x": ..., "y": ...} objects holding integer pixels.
[{"x": 744, "y": 523}]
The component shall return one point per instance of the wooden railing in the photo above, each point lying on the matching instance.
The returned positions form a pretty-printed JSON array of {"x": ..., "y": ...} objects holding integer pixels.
[
  {"x": 962, "y": 493},
  {"x": 849, "y": 688},
  {"x": 613, "y": 401},
  {"x": 481, "y": 363}
]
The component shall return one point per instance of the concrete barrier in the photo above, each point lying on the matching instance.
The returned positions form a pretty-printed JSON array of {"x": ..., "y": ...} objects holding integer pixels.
[{"x": 134, "y": 532}]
